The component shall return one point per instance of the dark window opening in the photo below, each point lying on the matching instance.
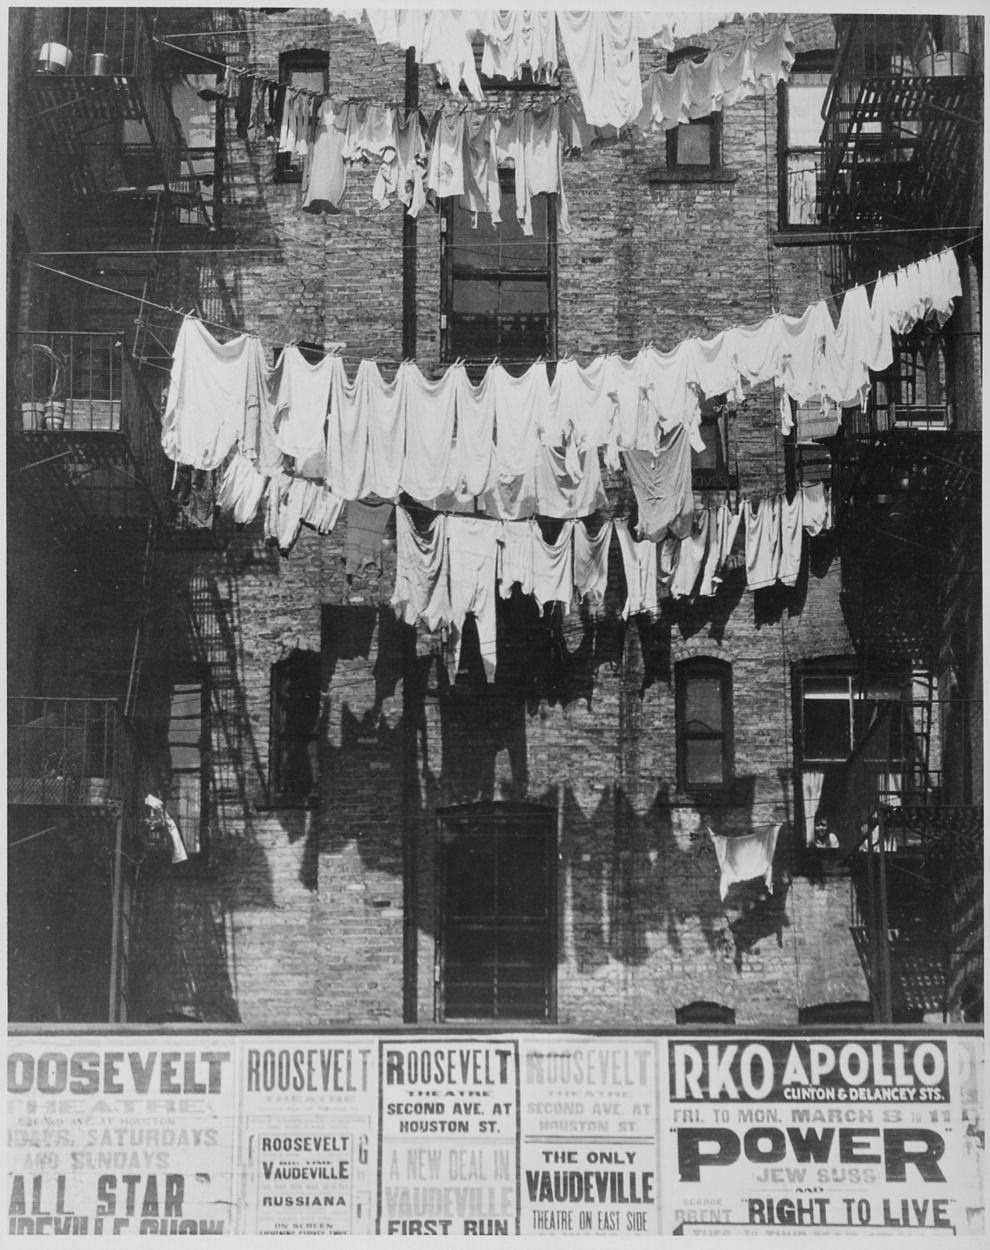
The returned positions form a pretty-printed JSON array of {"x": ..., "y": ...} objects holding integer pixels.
[
  {"x": 497, "y": 948},
  {"x": 187, "y": 801},
  {"x": 307, "y": 69},
  {"x": 499, "y": 285},
  {"x": 296, "y": 707},
  {"x": 799, "y": 127},
  {"x": 704, "y": 725},
  {"x": 838, "y": 713},
  {"x": 702, "y": 1012},
  {"x": 915, "y": 391}
]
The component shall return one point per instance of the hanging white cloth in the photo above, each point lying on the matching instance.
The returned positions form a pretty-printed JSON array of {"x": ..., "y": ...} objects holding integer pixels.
[
  {"x": 639, "y": 561},
  {"x": 744, "y": 857}
]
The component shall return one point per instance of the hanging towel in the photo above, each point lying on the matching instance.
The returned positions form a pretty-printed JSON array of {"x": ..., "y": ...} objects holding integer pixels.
[
  {"x": 662, "y": 484},
  {"x": 690, "y": 557},
  {"x": 472, "y": 466},
  {"x": 553, "y": 567},
  {"x": 603, "y": 55},
  {"x": 815, "y": 511},
  {"x": 422, "y": 580},
  {"x": 366, "y": 526},
  {"x": 241, "y": 489},
  {"x": 386, "y": 425},
  {"x": 762, "y": 542},
  {"x": 428, "y": 467},
  {"x": 516, "y": 38},
  {"x": 639, "y": 560},
  {"x": 347, "y": 431},
  {"x": 207, "y": 396},
  {"x": 520, "y": 406},
  {"x": 791, "y": 537},
  {"x": 744, "y": 857},
  {"x": 302, "y": 398},
  {"x": 591, "y": 562},
  {"x": 723, "y": 526}
]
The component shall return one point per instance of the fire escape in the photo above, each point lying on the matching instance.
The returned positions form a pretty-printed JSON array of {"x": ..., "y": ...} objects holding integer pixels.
[
  {"x": 86, "y": 473},
  {"x": 900, "y": 150}
]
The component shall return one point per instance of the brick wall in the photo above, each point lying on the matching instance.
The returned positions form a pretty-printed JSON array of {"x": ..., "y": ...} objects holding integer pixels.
[{"x": 308, "y": 916}]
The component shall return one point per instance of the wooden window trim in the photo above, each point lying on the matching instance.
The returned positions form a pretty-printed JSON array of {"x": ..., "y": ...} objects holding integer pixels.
[
  {"x": 822, "y": 61},
  {"x": 449, "y": 272},
  {"x": 313, "y": 60},
  {"x": 685, "y": 670},
  {"x": 497, "y": 816}
]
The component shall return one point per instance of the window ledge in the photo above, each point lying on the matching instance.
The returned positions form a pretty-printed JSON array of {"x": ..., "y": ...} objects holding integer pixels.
[
  {"x": 285, "y": 802},
  {"x": 799, "y": 236},
  {"x": 660, "y": 177}
]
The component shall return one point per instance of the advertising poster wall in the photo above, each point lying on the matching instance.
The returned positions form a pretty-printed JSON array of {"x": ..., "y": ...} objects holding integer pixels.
[
  {"x": 450, "y": 1135},
  {"x": 589, "y": 1146},
  {"x": 823, "y": 1135}
]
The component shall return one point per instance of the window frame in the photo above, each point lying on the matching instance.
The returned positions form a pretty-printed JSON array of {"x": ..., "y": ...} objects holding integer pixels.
[
  {"x": 495, "y": 819},
  {"x": 859, "y": 698},
  {"x": 197, "y": 842},
  {"x": 449, "y": 275},
  {"x": 714, "y": 426},
  {"x": 684, "y": 671},
  {"x": 302, "y": 60},
  {"x": 712, "y": 120},
  {"x": 817, "y": 61}
]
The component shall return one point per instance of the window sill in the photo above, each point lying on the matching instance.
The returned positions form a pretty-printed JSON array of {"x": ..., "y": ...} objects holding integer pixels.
[
  {"x": 802, "y": 236},
  {"x": 286, "y": 802},
  {"x": 661, "y": 177}
]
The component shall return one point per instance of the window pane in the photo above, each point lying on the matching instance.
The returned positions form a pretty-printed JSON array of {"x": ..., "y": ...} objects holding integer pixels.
[
  {"x": 703, "y": 761},
  {"x": 471, "y": 876},
  {"x": 309, "y": 79},
  {"x": 805, "y": 98},
  {"x": 522, "y": 877},
  {"x": 826, "y": 729},
  {"x": 694, "y": 143},
  {"x": 474, "y": 296},
  {"x": 523, "y": 297},
  {"x": 703, "y": 703}
]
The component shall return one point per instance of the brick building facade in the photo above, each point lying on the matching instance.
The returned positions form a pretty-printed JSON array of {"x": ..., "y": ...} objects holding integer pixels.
[{"x": 446, "y": 849}]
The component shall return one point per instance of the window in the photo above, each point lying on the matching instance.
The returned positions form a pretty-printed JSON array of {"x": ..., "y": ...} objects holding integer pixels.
[
  {"x": 497, "y": 950},
  {"x": 188, "y": 746},
  {"x": 703, "y": 1012},
  {"x": 309, "y": 70},
  {"x": 695, "y": 145},
  {"x": 499, "y": 284},
  {"x": 914, "y": 391},
  {"x": 710, "y": 468},
  {"x": 799, "y": 127},
  {"x": 837, "y": 712},
  {"x": 295, "y": 729},
  {"x": 704, "y": 725}
]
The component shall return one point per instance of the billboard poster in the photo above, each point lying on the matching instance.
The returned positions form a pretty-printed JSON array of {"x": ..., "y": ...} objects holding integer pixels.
[
  {"x": 589, "y": 1136},
  {"x": 114, "y": 1136},
  {"x": 549, "y": 1134},
  {"x": 449, "y": 1137},
  {"x": 307, "y": 1120},
  {"x": 810, "y": 1136}
]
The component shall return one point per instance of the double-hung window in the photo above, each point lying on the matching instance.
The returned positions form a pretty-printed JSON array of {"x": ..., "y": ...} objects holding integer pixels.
[
  {"x": 499, "y": 285},
  {"x": 306, "y": 69},
  {"x": 704, "y": 725},
  {"x": 496, "y": 956},
  {"x": 799, "y": 128}
]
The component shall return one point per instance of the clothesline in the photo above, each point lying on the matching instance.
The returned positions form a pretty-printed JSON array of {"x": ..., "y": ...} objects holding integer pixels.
[{"x": 394, "y": 362}]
